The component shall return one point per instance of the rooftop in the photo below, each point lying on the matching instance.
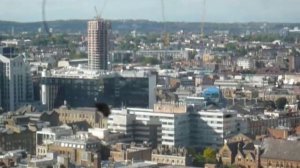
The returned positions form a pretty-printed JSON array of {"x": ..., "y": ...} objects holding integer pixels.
[
  {"x": 281, "y": 149},
  {"x": 82, "y": 73},
  {"x": 79, "y": 138},
  {"x": 57, "y": 129}
]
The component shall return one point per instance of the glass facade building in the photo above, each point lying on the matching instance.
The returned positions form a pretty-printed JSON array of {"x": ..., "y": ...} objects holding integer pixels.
[{"x": 115, "y": 90}]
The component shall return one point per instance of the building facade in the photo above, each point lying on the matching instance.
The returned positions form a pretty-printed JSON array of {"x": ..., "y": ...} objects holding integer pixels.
[
  {"x": 175, "y": 125},
  {"x": 82, "y": 149},
  {"x": 14, "y": 137},
  {"x": 209, "y": 127},
  {"x": 294, "y": 63},
  {"x": 47, "y": 136},
  {"x": 171, "y": 156},
  {"x": 245, "y": 63},
  {"x": 243, "y": 151},
  {"x": 128, "y": 152},
  {"x": 15, "y": 82},
  {"x": 280, "y": 153},
  {"x": 92, "y": 117},
  {"x": 98, "y": 44},
  {"x": 82, "y": 88},
  {"x": 165, "y": 124},
  {"x": 162, "y": 54}
]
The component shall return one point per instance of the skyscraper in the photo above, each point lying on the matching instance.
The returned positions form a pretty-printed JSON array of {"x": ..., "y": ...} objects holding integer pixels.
[
  {"x": 15, "y": 82},
  {"x": 98, "y": 44}
]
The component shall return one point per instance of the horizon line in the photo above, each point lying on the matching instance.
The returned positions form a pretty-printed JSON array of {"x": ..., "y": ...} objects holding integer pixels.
[{"x": 149, "y": 20}]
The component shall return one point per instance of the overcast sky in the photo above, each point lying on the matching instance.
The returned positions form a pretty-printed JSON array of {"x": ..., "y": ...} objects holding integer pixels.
[{"x": 175, "y": 10}]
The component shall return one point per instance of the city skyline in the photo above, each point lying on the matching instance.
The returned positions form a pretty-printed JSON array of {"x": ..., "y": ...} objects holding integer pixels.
[{"x": 178, "y": 10}]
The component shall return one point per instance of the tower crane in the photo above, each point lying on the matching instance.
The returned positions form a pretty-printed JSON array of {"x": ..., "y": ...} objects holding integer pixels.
[
  {"x": 203, "y": 18},
  {"x": 166, "y": 40},
  {"x": 99, "y": 15},
  {"x": 202, "y": 35},
  {"x": 46, "y": 27}
]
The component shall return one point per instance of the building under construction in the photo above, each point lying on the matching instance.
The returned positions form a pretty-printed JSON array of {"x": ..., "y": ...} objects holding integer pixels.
[{"x": 98, "y": 44}]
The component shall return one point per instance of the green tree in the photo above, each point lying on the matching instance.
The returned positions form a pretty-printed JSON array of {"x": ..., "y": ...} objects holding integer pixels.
[
  {"x": 280, "y": 103},
  {"x": 269, "y": 104},
  {"x": 192, "y": 151},
  {"x": 192, "y": 55},
  {"x": 209, "y": 155},
  {"x": 77, "y": 55},
  {"x": 231, "y": 47},
  {"x": 199, "y": 160},
  {"x": 149, "y": 60}
]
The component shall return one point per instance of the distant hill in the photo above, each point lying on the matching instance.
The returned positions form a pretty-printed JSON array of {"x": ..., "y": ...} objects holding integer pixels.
[{"x": 144, "y": 26}]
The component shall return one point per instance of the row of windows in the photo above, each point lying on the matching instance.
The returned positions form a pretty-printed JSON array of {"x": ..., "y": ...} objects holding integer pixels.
[
  {"x": 79, "y": 116},
  {"x": 209, "y": 116},
  {"x": 162, "y": 160}
]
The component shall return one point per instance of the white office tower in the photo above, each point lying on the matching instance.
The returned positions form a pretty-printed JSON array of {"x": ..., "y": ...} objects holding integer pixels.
[
  {"x": 209, "y": 127},
  {"x": 166, "y": 124},
  {"x": 15, "y": 82},
  {"x": 98, "y": 44}
]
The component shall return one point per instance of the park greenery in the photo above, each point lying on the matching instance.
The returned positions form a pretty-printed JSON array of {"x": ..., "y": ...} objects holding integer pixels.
[
  {"x": 280, "y": 103},
  {"x": 207, "y": 156},
  {"x": 149, "y": 60}
]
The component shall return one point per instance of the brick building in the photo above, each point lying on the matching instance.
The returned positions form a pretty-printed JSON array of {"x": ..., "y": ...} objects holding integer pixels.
[
  {"x": 15, "y": 137},
  {"x": 82, "y": 149},
  {"x": 280, "y": 153},
  {"x": 266, "y": 154},
  {"x": 123, "y": 152},
  {"x": 241, "y": 151},
  {"x": 166, "y": 155},
  {"x": 90, "y": 116}
]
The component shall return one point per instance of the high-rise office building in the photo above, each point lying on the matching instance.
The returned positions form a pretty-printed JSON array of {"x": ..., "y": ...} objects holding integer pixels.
[
  {"x": 174, "y": 125},
  {"x": 82, "y": 88},
  {"x": 98, "y": 44},
  {"x": 209, "y": 127},
  {"x": 164, "y": 124},
  {"x": 15, "y": 82}
]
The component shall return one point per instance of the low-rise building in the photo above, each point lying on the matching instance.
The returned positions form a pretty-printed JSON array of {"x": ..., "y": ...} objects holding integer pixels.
[
  {"x": 123, "y": 152},
  {"x": 167, "y": 155},
  {"x": 280, "y": 153},
  {"x": 246, "y": 63},
  {"x": 280, "y": 132},
  {"x": 47, "y": 136},
  {"x": 241, "y": 151},
  {"x": 42, "y": 162},
  {"x": 15, "y": 137},
  {"x": 82, "y": 149},
  {"x": 12, "y": 158},
  {"x": 90, "y": 116},
  {"x": 109, "y": 137}
]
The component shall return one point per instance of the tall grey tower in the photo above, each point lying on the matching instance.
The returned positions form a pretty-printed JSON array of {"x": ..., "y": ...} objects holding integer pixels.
[
  {"x": 15, "y": 81},
  {"x": 98, "y": 44}
]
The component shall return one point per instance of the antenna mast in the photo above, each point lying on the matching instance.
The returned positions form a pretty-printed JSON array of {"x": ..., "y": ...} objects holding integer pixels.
[{"x": 202, "y": 50}]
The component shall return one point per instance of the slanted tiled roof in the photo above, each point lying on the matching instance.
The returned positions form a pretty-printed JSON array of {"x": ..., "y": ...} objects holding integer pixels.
[
  {"x": 249, "y": 146},
  {"x": 233, "y": 148},
  {"x": 281, "y": 149}
]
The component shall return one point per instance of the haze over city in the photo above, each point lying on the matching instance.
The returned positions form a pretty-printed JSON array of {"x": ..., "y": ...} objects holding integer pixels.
[
  {"x": 176, "y": 10},
  {"x": 149, "y": 83}
]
